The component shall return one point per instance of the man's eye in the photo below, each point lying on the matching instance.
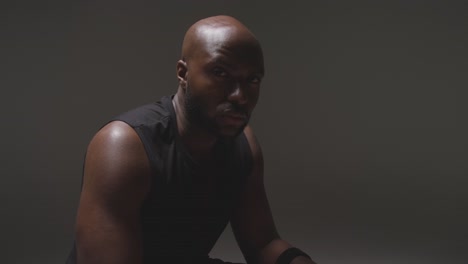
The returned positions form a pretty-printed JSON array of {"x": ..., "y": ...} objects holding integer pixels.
[
  {"x": 220, "y": 72},
  {"x": 255, "y": 80}
]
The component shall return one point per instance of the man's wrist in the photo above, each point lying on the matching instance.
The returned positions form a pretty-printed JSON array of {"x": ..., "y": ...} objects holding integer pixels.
[
  {"x": 302, "y": 260},
  {"x": 293, "y": 255}
]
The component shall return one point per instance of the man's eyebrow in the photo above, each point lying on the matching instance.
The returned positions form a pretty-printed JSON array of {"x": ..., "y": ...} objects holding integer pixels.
[
  {"x": 224, "y": 63},
  {"x": 220, "y": 61}
]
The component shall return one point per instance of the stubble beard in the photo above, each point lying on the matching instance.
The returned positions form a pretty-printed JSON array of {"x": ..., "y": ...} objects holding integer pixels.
[{"x": 195, "y": 114}]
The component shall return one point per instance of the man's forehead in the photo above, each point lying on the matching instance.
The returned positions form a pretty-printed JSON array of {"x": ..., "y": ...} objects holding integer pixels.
[{"x": 214, "y": 35}]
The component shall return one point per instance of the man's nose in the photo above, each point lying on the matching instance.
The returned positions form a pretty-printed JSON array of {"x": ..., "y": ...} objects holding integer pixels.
[{"x": 237, "y": 94}]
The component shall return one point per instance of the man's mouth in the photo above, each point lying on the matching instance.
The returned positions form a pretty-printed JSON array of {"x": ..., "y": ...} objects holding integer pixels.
[
  {"x": 234, "y": 118},
  {"x": 237, "y": 115}
]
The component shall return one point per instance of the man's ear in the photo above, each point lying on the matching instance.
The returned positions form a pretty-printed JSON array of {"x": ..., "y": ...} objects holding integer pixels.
[{"x": 181, "y": 71}]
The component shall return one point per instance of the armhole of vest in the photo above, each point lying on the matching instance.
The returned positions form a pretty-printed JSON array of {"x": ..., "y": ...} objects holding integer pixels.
[
  {"x": 151, "y": 156},
  {"x": 145, "y": 141}
]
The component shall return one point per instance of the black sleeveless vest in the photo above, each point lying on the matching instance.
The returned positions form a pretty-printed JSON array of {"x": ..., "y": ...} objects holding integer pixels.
[{"x": 180, "y": 223}]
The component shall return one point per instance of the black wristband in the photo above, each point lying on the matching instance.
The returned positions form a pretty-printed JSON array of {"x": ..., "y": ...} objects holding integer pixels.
[{"x": 289, "y": 254}]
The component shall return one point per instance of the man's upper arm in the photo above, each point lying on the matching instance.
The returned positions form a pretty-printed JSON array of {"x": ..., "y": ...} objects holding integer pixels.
[
  {"x": 252, "y": 222},
  {"x": 115, "y": 183}
]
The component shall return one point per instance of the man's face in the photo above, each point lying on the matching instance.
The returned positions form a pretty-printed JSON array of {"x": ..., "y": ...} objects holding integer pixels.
[{"x": 223, "y": 82}]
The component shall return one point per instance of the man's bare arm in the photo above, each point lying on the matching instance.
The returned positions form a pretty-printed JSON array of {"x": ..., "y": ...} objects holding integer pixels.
[
  {"x": 253, "y": 224},
  {"x": 115, "y": 183}
]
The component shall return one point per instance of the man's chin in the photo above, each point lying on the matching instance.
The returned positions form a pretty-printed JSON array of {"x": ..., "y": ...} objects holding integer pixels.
[{"x": 230, "y": 132}]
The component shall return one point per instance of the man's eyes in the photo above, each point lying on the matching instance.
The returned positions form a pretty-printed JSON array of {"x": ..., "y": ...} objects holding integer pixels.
[
  {"x": 222, "y": 73},
  {"x": 255, "y": 80},
  {"x": 219, "y": 72}
]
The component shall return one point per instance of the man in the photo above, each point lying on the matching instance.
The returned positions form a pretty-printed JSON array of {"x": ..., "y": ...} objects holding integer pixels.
[{"x": 162, "y": 181}]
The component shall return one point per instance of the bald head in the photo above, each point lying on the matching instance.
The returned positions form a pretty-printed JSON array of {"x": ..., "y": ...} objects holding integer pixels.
[
  {"x": 209, "y": 34},
  {"x": 219, "y": 76}
]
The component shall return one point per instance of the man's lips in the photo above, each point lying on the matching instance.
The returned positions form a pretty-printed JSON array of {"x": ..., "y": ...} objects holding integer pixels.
[
  {"x": 234, "y": 118},
  {"x": 235, "y": 115}
]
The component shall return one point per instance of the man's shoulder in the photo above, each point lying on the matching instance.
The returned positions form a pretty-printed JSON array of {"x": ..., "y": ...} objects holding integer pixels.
[
  {"x": 250, "y": 138},
  {"x": 252, "y": 144},
  {"x": 147, "y": 114}
]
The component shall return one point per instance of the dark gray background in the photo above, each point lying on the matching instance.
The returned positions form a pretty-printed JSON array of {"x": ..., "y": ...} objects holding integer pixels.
[{"x": 362, "y": 118}]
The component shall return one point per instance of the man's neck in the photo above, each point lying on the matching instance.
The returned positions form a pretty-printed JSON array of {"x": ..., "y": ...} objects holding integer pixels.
[{"x": 197, "y": 141}]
